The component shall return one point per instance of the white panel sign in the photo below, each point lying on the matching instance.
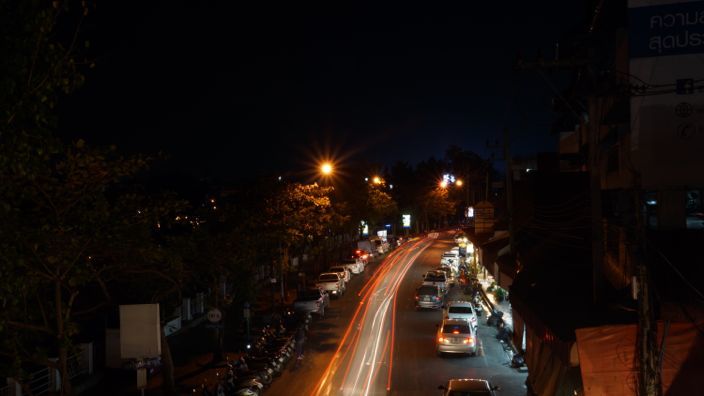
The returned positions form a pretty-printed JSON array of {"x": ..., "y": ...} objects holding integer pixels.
[
  {"x": 140, "y": 331},
  {"x": 666, "y": 46}
]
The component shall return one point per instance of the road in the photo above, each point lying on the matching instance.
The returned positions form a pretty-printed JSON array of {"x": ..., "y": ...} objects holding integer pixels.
[
  {"x": 374, "y": 342},
  {"x": 417, "y": 369}
]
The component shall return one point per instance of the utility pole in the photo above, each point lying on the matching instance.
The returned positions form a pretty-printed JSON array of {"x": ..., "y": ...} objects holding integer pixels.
[
  {"x": 649, "y": 381},
  {"x": 509, "y": 192},
  {"x": 506, "y": 146}
]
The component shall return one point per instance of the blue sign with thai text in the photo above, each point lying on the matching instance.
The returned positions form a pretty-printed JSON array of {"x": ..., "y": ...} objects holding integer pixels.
[{"x": 672, "y": 29}]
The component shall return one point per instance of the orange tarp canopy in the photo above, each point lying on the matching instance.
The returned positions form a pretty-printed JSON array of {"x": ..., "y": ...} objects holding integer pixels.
[{"x": 609, "y": 364}]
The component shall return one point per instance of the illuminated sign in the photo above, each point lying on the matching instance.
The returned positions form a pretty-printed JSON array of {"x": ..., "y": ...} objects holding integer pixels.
[
  {"x": 470, "y": 211},
  {"x": 406, "y": 221},
  {"x": 364, "y": 227}
]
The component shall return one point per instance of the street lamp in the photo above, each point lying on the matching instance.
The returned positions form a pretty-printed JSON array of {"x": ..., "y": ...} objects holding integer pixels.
[
  {"x": 326, "y": 168},
  {"x": 443, "y": 184},
  {"x": 459, "y": 183},
  {"x": 376, "y": 180}
]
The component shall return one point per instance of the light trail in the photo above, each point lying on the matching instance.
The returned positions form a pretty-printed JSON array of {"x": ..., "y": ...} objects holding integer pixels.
[{"x": 370, "y": 348}]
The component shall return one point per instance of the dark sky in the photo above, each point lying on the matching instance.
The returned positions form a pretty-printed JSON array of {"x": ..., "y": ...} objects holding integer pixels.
[{"x": 229, "y": 89}]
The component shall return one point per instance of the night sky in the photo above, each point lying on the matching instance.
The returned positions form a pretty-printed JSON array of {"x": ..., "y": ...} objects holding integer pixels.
[{"x": 231, "y": 89}]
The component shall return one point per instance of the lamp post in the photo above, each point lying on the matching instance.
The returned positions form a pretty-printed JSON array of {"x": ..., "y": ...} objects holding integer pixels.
[{"x": 326, "y": 168}]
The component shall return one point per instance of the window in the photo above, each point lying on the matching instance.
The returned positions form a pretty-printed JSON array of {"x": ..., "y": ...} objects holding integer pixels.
[
  {"x": 695, "y": 210},
  {"x": 428, "y": 290},
  {"x": 460, "y": 310},
  {"x": 456, "y": 329}
]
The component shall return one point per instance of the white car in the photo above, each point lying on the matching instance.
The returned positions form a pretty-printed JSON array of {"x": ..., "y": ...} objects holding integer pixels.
[
  {"x": 343, "y": 271},
  {"x": 450, "y": 259},
  {"x": 356, "y": 266},
  {"x": 461, "y": 310},
  {"x": 332, "y": 283}
]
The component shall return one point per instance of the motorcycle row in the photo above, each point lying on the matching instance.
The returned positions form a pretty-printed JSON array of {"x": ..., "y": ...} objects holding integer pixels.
[{"x": 265, "y": 358}]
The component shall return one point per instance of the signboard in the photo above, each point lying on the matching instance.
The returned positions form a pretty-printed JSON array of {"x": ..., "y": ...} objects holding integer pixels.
[
  {"x": 406, "y": 221},
  {"x": 666, "y": 40},
  {"x": 364, "y": 227},
  {"x": 657, "y": 28},
  {"x": 140, "y": 331},
  {"x": 214, "y": 315},
  {"x": 484, "y": 217},
  {"x": 382, "y": 234},
  {"x": 470, "y": 211}
]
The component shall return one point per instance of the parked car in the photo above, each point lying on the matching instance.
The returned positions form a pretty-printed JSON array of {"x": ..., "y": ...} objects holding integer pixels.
[
  {"x": 449, "y": 275},
  {"x": 332, "y": 283},
  {"x": 356, "y": 266},
  {"x": 362, "y": 254},
  {"x": 456, "y": 336},
  {"x": 343, "y": 271},
  {"x": 450, "y": 259},
  {"x": 468, "y": 386},
  {"x": 312, "y": 301},
  {"x": 436, "y": 278},
  {"x": 367, "y": 246},
  {"x": 461, "y": 310},
  {"x": 429, "y": 296}
]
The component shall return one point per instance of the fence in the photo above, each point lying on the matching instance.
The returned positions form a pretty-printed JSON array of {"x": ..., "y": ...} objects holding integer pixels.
[{"x": 47, "y": 379}]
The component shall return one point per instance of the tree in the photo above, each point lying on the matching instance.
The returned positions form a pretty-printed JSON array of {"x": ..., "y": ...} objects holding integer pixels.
[
  {"x": 297, "y": 216},
  {"x": 56, "y": 213},
  {"x": 436, "y": 206},
  {"x": 380, "y": 206}
]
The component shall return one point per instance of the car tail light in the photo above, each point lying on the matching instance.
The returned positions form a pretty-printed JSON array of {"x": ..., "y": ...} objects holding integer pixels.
[
  {"x": 468, "y": 340},
  {"x": 443, "y": 340},
  {"x": 417, "y": 298}
]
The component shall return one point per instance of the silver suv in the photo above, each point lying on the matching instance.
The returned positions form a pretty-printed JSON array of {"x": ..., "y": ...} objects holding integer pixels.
[
  {"x": 436, "y": 278},
  {"x": 429, "y": 296}
]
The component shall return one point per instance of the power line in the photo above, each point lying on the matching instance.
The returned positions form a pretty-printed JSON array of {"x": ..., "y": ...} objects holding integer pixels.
[{"x": 677, "y": 271}]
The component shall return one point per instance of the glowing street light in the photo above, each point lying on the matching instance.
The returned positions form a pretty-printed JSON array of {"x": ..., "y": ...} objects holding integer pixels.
[
  {"x": 458, "y": 182},
  {"x": 326, "y": 168},
  {"x": 443, "y": 184},
  {"x": 376, "y": 180}
]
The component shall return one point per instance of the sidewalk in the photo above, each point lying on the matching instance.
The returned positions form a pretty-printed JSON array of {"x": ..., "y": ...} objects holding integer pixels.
[
  {"x": 190, "y": 376},
  {"x": 503, "y": 306}
]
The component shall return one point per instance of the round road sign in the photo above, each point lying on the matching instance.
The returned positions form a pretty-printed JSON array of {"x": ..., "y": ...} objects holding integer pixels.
[{"x": 214, "y": 315}]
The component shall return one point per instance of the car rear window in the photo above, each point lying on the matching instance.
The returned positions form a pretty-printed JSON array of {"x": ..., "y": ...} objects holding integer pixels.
[
  {"x": 460, "y": 310},
  {"x": 455, "y": 328},
  {"x": 428, "y": 290},
  {"x": 329, "y": 278},
  {"x": 435, "y": 278}
]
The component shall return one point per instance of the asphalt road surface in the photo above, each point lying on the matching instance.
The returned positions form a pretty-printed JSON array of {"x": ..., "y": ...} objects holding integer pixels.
[{"x": 374, "y": 342}]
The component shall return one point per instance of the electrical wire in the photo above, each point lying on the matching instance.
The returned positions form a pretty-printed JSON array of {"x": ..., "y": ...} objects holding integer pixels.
[
  {"x": 677, "y": 271},
  {"x": 551, "y": 241}
]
